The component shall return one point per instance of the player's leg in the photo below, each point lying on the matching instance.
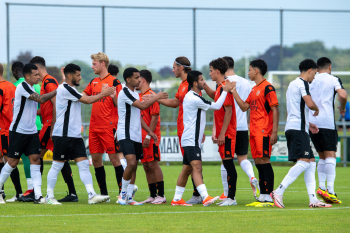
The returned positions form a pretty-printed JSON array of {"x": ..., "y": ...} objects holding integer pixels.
[
  {"x": 158, "y": 174},
  {"x": 15, "y": 178},
  {"x": 132, "y": 188},
  {"x": 51, "y": 181},
  {"x": 68, "y": 178},
  {"x": 28, "y": 196},
  {"x": 181, "y": 184},
  {"x": 151, "y": 181},
  {"x": 6, "y": 171},
  {"x": 2, "y": 164},
  {"x": 330, "y": 165},
  {"x": 42, "y": 154},
  {"x": 224, "y": 182}
]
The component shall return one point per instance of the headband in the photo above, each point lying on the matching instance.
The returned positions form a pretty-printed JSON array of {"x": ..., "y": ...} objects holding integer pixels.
[{"x": 181, "y": 64}]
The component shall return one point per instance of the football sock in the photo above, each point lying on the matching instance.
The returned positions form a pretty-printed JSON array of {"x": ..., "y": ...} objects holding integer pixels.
[
  {"x": 130, "y": 190},
  {"x": 247, "y": 167},
  {"x": 268, "y": 198},
  {"x": 310, "y": 182},
  {"x": 119, "y": 171},
  {"x": 330, "y": 173},
  {"x": 202, "y": 191},
  {"x": 41, "y": 166},
  {"x": 30, "y": 183},
  {"x": 195, "y": 191},
  {"x": 152, "y": 190},
  {"x": 123, "y": 162},
  {"x": 68, "y": 178},
  {"x": 5, "y": 174},
  {"x": 292, "y": 175},
  {"x": 36, "y": 175},
  {"x": 179, "y": 191},
  {"x": 231, "y": 178},
  {"x": 160, "y": 188},
  {"x": 100, "y": 174},
  {"x": 16, "y": 181},
  {"x": 262, "y": 197},
  {"x": 26, "y": 166},
  {"x": 321, "y": 174},
  {"x": 86, "y": 177},
  {"x": 261, "y": 181},
  {"x": 269, "y": 177},
  {"x": 224, "y": 179},
  {"x": 52, "y": 178},
  {"x": 125, "y": 184},
  {"x": 1, "y": 166}
]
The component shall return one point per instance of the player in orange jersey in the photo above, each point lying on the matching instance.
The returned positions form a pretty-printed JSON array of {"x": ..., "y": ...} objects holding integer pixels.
[
  {"x": 48, "y": 114},
  {"x": 264, "y": 115},
  {"x": 102, "y": 122}
]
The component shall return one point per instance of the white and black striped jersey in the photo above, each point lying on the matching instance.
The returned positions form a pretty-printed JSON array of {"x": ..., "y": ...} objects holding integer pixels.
[
  {"x": 68, "y": 112},
  {"x": 298, "y": 112},
  {"x": 194, "y": 108},
  {"x": 323, "y": 90},
  {"x": 24, "y": 110},
  {"x": 129, "y": 122}
]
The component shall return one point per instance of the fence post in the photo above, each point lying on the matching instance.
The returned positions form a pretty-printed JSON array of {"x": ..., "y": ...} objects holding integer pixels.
[
  {"x": 8, "y": 40},
  {"x": 103, "y": 29},
  {"x": 194, "y": 39},
  {"x": 345, "y": 146}
]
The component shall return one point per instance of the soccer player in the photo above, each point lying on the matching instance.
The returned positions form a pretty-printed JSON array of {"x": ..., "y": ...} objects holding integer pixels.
[
  {"x": 194, "y": 108},
  {"x": 7, "y": 95},
  {"x": 24, "y": 137},
  {"x": 181, "y": 67},
  {"x": 129, "y": 132},
  {"x": 151, "y": 152},
  {"x": 323, "y": 91},
  {"x": 102, "y": 122},
  {"x": 225, "y": 127},
  {"x": 66, "y": 134},
  {"x": 264, "y": 115},
  {"x": 296, "y": 130},
  {"x": 48, "y": 114},
  {"x": 241, "y": 149}
]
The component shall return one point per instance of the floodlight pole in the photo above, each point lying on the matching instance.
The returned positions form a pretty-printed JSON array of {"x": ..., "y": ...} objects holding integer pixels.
[
  {"x": 8, "y": 40},
  {"x": 194, "y": 39},
  {"x": 103, "y": 30}
]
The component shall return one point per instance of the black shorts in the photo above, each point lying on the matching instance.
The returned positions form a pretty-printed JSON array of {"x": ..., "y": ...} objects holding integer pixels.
[
  {"x": 191, "y": 153},
  {"x": 116, "y": 144},
  {"x": 68, "y": 148},
  {"x": 128, "y": 147},
  {"x": 325, "y": 140},
  {"x": 4, "y": 145},
  {"x": 27, "y": 144},
  {"x": 242, "y": 143},
  {"x": 298, "y": 143}
]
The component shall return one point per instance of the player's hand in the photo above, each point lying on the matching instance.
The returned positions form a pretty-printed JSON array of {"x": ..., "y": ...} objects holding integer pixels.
[
  {"x": 146, "y": 143},
  {"x": 214, "y": 139},
  {"x": 316, "y": 113},
  {"x": 147, "y": 97},
  {"x": 313, "y": 128},
  {"x": 63, "y": 76},
  {"x": 114, "y": 94},
  {"x": 162, "y": 95},
  {"x": 107, "y": 91},
  {"x": 233, "y": 89},
  {"x": 154, "y": 136},
  {"x": 228, "y": 86},
  {"x": 203, "y": 139},
  {"x": 273, "y": 138},
  {"x": 221, "y": 140},
  {"x": 342, "y": 111}
]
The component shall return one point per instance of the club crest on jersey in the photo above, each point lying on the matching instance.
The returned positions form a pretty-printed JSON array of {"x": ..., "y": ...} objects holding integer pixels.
[
  {"x": 257, "y": 93},
  {"x": 183, "y": 89}
]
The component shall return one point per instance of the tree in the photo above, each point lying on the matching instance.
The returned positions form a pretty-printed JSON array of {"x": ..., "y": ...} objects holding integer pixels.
[
  {"x": 166, "y": 72},
  {"x": 23, "y": 57}
]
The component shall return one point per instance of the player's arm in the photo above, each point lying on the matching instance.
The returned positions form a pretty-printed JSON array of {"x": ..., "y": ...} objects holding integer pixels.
[
  {"x": 148, "y": 130},
  {"x": 106, "y": 91},
  {"x": 210, "y": 92},
  {"x": 42, "y": 98},
  {"x": 342, "y": 97},
  {"x": 225, "y": 89},
  {"x": 275, "y": 117},
  {"x": 152, "y": 126},
  {"x": 53, "y": 121},
  {"x": 172, "y": 103},
  {"x": 244, "y": 106},
  {"x": 63, "y": 76},
  {"x": 311, "y": 104},
  {"x": 227, "y": 119},
  {"x": 213, "y": 134},
  {"x": 143, "y": 105},
  {"x": 313, "y": 128}
]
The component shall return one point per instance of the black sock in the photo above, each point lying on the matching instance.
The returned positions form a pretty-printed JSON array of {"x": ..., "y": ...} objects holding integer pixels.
[
  {"x": 268, "y": 177},
  {"x": 231, "y": 177},
  {"x": 261, "y": 179},
  {"x": 101, "y": 179},
  {"x": 160, "y": 187},
  {"x": 195, "y": 191},
  {"x": 68, "y": 178},
  {"x": 152, "y": 189},
  {"x": 119, "y": 171},
  {"x": 41, "y": 166},
  {"x": 16, "y": 181},
  {"x": 1, "y": 166}
]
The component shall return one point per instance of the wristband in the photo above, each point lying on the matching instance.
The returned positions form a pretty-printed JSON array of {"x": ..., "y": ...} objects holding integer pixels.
[{"x": 148, "y": 137}]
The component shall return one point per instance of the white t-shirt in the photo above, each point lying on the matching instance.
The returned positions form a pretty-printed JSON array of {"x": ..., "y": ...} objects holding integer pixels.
[
  {"x": 24, "y": 110},
  {"x": 129, "y": 122},
  {"x": 68, "y": 112},
  {"x": 323, "y": 90},
  {"x": 298, "y": 112},
  {"x": 243, "y": 89}
]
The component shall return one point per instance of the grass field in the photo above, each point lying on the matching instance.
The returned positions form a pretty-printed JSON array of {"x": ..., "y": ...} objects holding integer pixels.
[{"x": 111, "y": 217}]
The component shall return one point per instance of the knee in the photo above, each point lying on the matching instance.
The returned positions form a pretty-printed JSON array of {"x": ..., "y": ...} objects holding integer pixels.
[
  {"x": 146, "y": 167},
  {"x": 132, "y": 164}
]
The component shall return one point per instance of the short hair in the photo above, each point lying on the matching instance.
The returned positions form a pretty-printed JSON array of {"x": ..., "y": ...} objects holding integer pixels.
[
  {"x": 219, "y": 64},
  {"x": 100, "y": 57},
  {"x": 27, "y": 69},
  {"x": 323, "y": 62},
  {"x": 1, "y": 70},
  {"x": 38, "y": 61},
  {"x": 129, "y": 72},
  {"x": 307, "y": 64},
  {"x": 260, "y": 64},
  {"x": 17, "y": 65},
  {"x": 71, "y": 69},
  {"x": 192, "y": 77},
  {"x": 230, "y": 61},
  {"x": 146, "y": 74},
  {"x": 113, "y": 69},
  {"x": 183, "y": 61}
]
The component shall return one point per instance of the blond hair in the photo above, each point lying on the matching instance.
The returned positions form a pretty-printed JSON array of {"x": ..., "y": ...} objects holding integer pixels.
[{"x": 101, "y": 57}]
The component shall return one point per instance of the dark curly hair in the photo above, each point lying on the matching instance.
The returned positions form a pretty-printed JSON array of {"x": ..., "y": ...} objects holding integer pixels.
[
  {"x": 219, "y": 64},
  {"x": 260, "y": 64},
  {"x": 307, "y": 64}
]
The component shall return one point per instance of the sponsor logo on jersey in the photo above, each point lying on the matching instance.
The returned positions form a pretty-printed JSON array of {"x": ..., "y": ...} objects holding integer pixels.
[{"x": 257, "y": 93}]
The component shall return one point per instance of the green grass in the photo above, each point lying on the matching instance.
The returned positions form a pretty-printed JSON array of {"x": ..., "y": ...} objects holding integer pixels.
[{"x": 111, "y": 217}]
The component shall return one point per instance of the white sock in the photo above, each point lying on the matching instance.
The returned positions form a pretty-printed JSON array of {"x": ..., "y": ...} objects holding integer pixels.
[
  {"x": 330, "y": 173},
  {"x": 247, "y": 167},
  {"x": 52, "y": 178},
  {"x": 179, "y": 191},
  {"x": 125, "y": 184},
  {"x": 262, "y": 197},
  {"x": 321, "y": 174},
  {"x": 224, "y": 179},
  {"x": 202, "y": 191},
  {"x": 123, "y": 162},
  {"x": 86, "y": 178},
  {"x": 30, "y": 183},
  {"x": 310, "y": 182},
  {"x": 292, "y": 175},
  {"x": 36, "y": 176},
  {"x": 130, "y": 189},
  {"x": 5, "y": 174},
  {"x": 268, "y": 198}
]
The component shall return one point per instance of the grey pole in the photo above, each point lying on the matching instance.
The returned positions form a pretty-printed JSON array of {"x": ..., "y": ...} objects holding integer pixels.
[
  {"x": 103, "y": 29},
  {"x": 281, "y": 64},
  {"x": 8, "y": 40},
  {"x": 194, "y": 39}
]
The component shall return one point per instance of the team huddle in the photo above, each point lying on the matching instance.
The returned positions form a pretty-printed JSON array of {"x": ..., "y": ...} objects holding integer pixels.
[{"x": 125, "y": 124}]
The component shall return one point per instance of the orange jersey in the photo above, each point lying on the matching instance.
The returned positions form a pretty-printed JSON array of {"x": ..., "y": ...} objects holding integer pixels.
[
  {"x": 147, "y": 114},
  {"x": 103, "y": 111},
  {"x": 116, "y": 117},
  {"x": 7, "y": 98},
  {"x": 49, "y": 84},
  {"x": 261, "y": 99},
  {"x": 219, "y": 115}
]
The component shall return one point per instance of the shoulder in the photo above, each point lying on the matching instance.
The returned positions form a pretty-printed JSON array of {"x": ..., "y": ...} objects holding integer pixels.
[
  {"x": 269, "y": 88},
  {"x": 116, "y": 82},
  {"x": 92, "y": 80}
]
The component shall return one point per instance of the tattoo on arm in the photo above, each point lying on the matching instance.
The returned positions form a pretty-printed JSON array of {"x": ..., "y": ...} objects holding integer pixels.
[{"x": 42, "y": 98}]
